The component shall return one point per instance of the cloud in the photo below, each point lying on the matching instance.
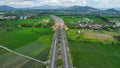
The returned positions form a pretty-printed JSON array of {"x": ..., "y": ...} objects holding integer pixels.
[
  {"x": 17, "y": 3},
  {"x": 104, "y": 3},
  {"x": 24, "y": 3},
  {"x": 109, "y": 4},
  {"x": 49, "y": 2},
  {"x": 29, "y": 3},
  {"x": 73, "y": 2},
  {"x": 93, "y": 3},
  {"x": 1, "y": 3}
]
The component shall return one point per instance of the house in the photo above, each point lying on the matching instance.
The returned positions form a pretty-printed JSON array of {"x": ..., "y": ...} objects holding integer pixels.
[
  {"x": 21, "y": 17},
  {"x": 91, "y": 25},
  {"x": 10, "y": 17},
  {"x": 78, "y": 32},
  {"x": 7, "y": 17},
  {"x": 25, "y": 17},
  {"x": 118, "y": 24},
  {"x": 2, "y": 13},
  {"x": 1, "y": 17}
]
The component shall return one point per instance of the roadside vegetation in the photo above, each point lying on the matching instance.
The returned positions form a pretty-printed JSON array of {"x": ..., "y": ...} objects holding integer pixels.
[
  {"x": 12, "y": 60},
  {"x": 98, "y": 55},
  {"x": 92, "y": 48},
  {"x": 87, "y": 35},
  {"x": 31, "y": 37}
]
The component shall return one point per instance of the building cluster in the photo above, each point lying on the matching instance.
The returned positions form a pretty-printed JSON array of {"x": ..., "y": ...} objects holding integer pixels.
[
  {"x": 91, "y": 25},
  {"x": 98, "y": 25},
  {"x": 4, "y": 16},
  {"x": 7, "y": 17},
  {"x": 116, "y": 24},
  {"x": 14, "y": 17},
  {"x": 23, "y": 17},
  {"x": 87, "y": 23}
]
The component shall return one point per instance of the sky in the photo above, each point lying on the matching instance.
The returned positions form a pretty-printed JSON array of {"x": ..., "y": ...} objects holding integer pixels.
[{"x": 92, "y": 3}]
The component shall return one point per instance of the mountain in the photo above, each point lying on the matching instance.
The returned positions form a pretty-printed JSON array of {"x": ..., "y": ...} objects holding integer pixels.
[
  {"x": 118, "y": 9},
  {"x": 5, "y": 7},
  {"x": 81, "y": 9},
  {"x": 112, "y": 10},
  {"x": 71, "y": 9},
  {"x": 48, "y": 7}
]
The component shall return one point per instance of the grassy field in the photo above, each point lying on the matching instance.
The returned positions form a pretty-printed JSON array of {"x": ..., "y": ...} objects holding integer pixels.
[
  {"x": 21, "y": 37},
  {"x": 93, "y": 48},
  {"x": 31, "y": 37},
  {"x": 78, "y": 19},
  {"x": 72, "y": 19},
  {"x": 11, "y": 60},
  {"x": 32, "y": 42},
  {"x": 94, "y": 55},
  {"x": 38, "y": 22},
  {"x": 22, "y": 22},
  {"x": 98, "y": 20},
  {"x": 87, "y": 35},
  {"x": 114, "y": 19}
]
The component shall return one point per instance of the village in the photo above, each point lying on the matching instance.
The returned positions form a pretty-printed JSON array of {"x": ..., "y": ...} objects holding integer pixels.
[
  {"x": 87, "y": 23},
  {"x": 4, "y": 16}
]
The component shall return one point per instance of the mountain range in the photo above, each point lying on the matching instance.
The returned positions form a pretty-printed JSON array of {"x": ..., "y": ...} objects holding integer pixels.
[
  {"x": 112, "y": 10},
  {"x": 72, "y": 8},
  {"x": 47, "y": 7},
  {"x": 81, "y": 9},
  {"x": 5, "y": 7}
]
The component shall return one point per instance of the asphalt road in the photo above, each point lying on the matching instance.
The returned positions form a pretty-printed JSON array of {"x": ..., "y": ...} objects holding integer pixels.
[
  {"x": 64, "y": 50},
  {"x": 54, "y": 54},
  {"x": 58, "y": 20}
]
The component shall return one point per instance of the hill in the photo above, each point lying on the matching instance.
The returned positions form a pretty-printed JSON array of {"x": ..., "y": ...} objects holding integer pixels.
[
  {"x": 5, "y": 7},
  {"x": 81, "y": 9},
  {"x": 48, "y": 7},
  {"x": 112, "y": 10}
]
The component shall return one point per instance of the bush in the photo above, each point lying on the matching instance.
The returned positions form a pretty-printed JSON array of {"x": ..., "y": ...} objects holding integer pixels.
[{"x": 59, "y": 62}]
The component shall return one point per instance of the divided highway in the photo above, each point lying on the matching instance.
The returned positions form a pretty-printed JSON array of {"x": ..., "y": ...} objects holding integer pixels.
[{"x": 64, "y": 48}]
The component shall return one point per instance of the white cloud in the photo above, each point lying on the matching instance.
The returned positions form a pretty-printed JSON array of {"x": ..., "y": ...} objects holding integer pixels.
[
  {"x": 25, "y": 3},
  {"x": 107, "y": 3},
  {"x": 19, "y": 4},
  {"x": 50, "y": 2},
  {"x": 1, "y": 3},
  {"x": 93, "y": 3},
  {"x": 73, "y": 2}
]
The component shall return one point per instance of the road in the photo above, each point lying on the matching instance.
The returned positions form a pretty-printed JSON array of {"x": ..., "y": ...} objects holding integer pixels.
[
  {"x": 54, "y": 53},
  {"x": 58, "y": 20},
  {"x": 64, "y": 50}
]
